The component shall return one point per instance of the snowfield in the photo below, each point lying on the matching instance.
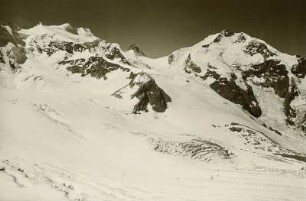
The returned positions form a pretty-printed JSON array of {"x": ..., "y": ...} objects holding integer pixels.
[{"x": 66, "y": 136}]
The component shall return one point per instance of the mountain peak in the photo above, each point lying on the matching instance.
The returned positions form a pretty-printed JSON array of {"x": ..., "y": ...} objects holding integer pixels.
[
  {"x": 227, "y": 32},
  {"x": 137, "y": 51},
  {"x": 64, "y": 32}
]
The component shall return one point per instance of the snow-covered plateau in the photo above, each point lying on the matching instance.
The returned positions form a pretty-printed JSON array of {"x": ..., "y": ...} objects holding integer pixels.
[{"x": 82, "y": 119}]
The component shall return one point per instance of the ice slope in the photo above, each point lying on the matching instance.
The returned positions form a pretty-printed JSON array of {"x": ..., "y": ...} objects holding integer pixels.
[{"x": 65, "y": 136}]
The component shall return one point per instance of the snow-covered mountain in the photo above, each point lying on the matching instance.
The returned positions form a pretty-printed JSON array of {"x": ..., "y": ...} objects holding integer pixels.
[{"x": 82, "y": 119}]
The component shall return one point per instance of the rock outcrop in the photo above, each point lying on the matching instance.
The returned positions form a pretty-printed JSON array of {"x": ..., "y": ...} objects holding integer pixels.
[
  {"x": 94, "y": 66},
  {"x": 137, "y": 51},
  {"x": 148, "y": 93}
]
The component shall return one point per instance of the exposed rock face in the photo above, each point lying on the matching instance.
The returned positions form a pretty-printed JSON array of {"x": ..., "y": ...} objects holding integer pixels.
[
  {"x": 273, "y": 74},
  {"x": 1, "y": 58},
  {"x": 241, "y": 38},
  {"x": 229, "y": 90},
  {"x": 146, "y": 90},
  {"x": 255, "y": 47},
  {"x": 136, "y": 50},
  {"x": 17, "y": 56},
  {"x": 68, "y": 47},
  {"x": 191, "y": 66},
  {"x": 11, "y": 47},
  {"x": 224, "y": 33},
  {"x": 92, "y": 45},
  {"x": 232, "y": 92},
  {"x": 50, "y": 47},
  {"x": 170, "y": 59},
  {"x": 96, "y": 67},
  {"x": 113, "y": 52},
  {"x": 303, "y": 124},
  {"x": 148, "y": 93},
  {"x": 9, "y": 34},
  {"x": 291, "y": 113},
  {"x": 299, "y": 70}
]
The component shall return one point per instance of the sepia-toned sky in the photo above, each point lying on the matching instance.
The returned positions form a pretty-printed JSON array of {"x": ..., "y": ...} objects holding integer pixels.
[{"x": 159, "y": 27}]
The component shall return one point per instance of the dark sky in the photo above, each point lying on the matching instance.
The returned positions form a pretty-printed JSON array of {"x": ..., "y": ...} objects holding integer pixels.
[{"x": 159, "y": 27}]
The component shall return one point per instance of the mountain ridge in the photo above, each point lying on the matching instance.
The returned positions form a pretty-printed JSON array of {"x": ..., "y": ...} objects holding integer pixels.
[
  {"x": 254, "y": 62},
  {"x": 229, "y": 105}
]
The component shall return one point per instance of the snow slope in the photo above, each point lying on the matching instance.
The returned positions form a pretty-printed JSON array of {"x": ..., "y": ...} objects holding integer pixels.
[{"x": 68, "y": 130}]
